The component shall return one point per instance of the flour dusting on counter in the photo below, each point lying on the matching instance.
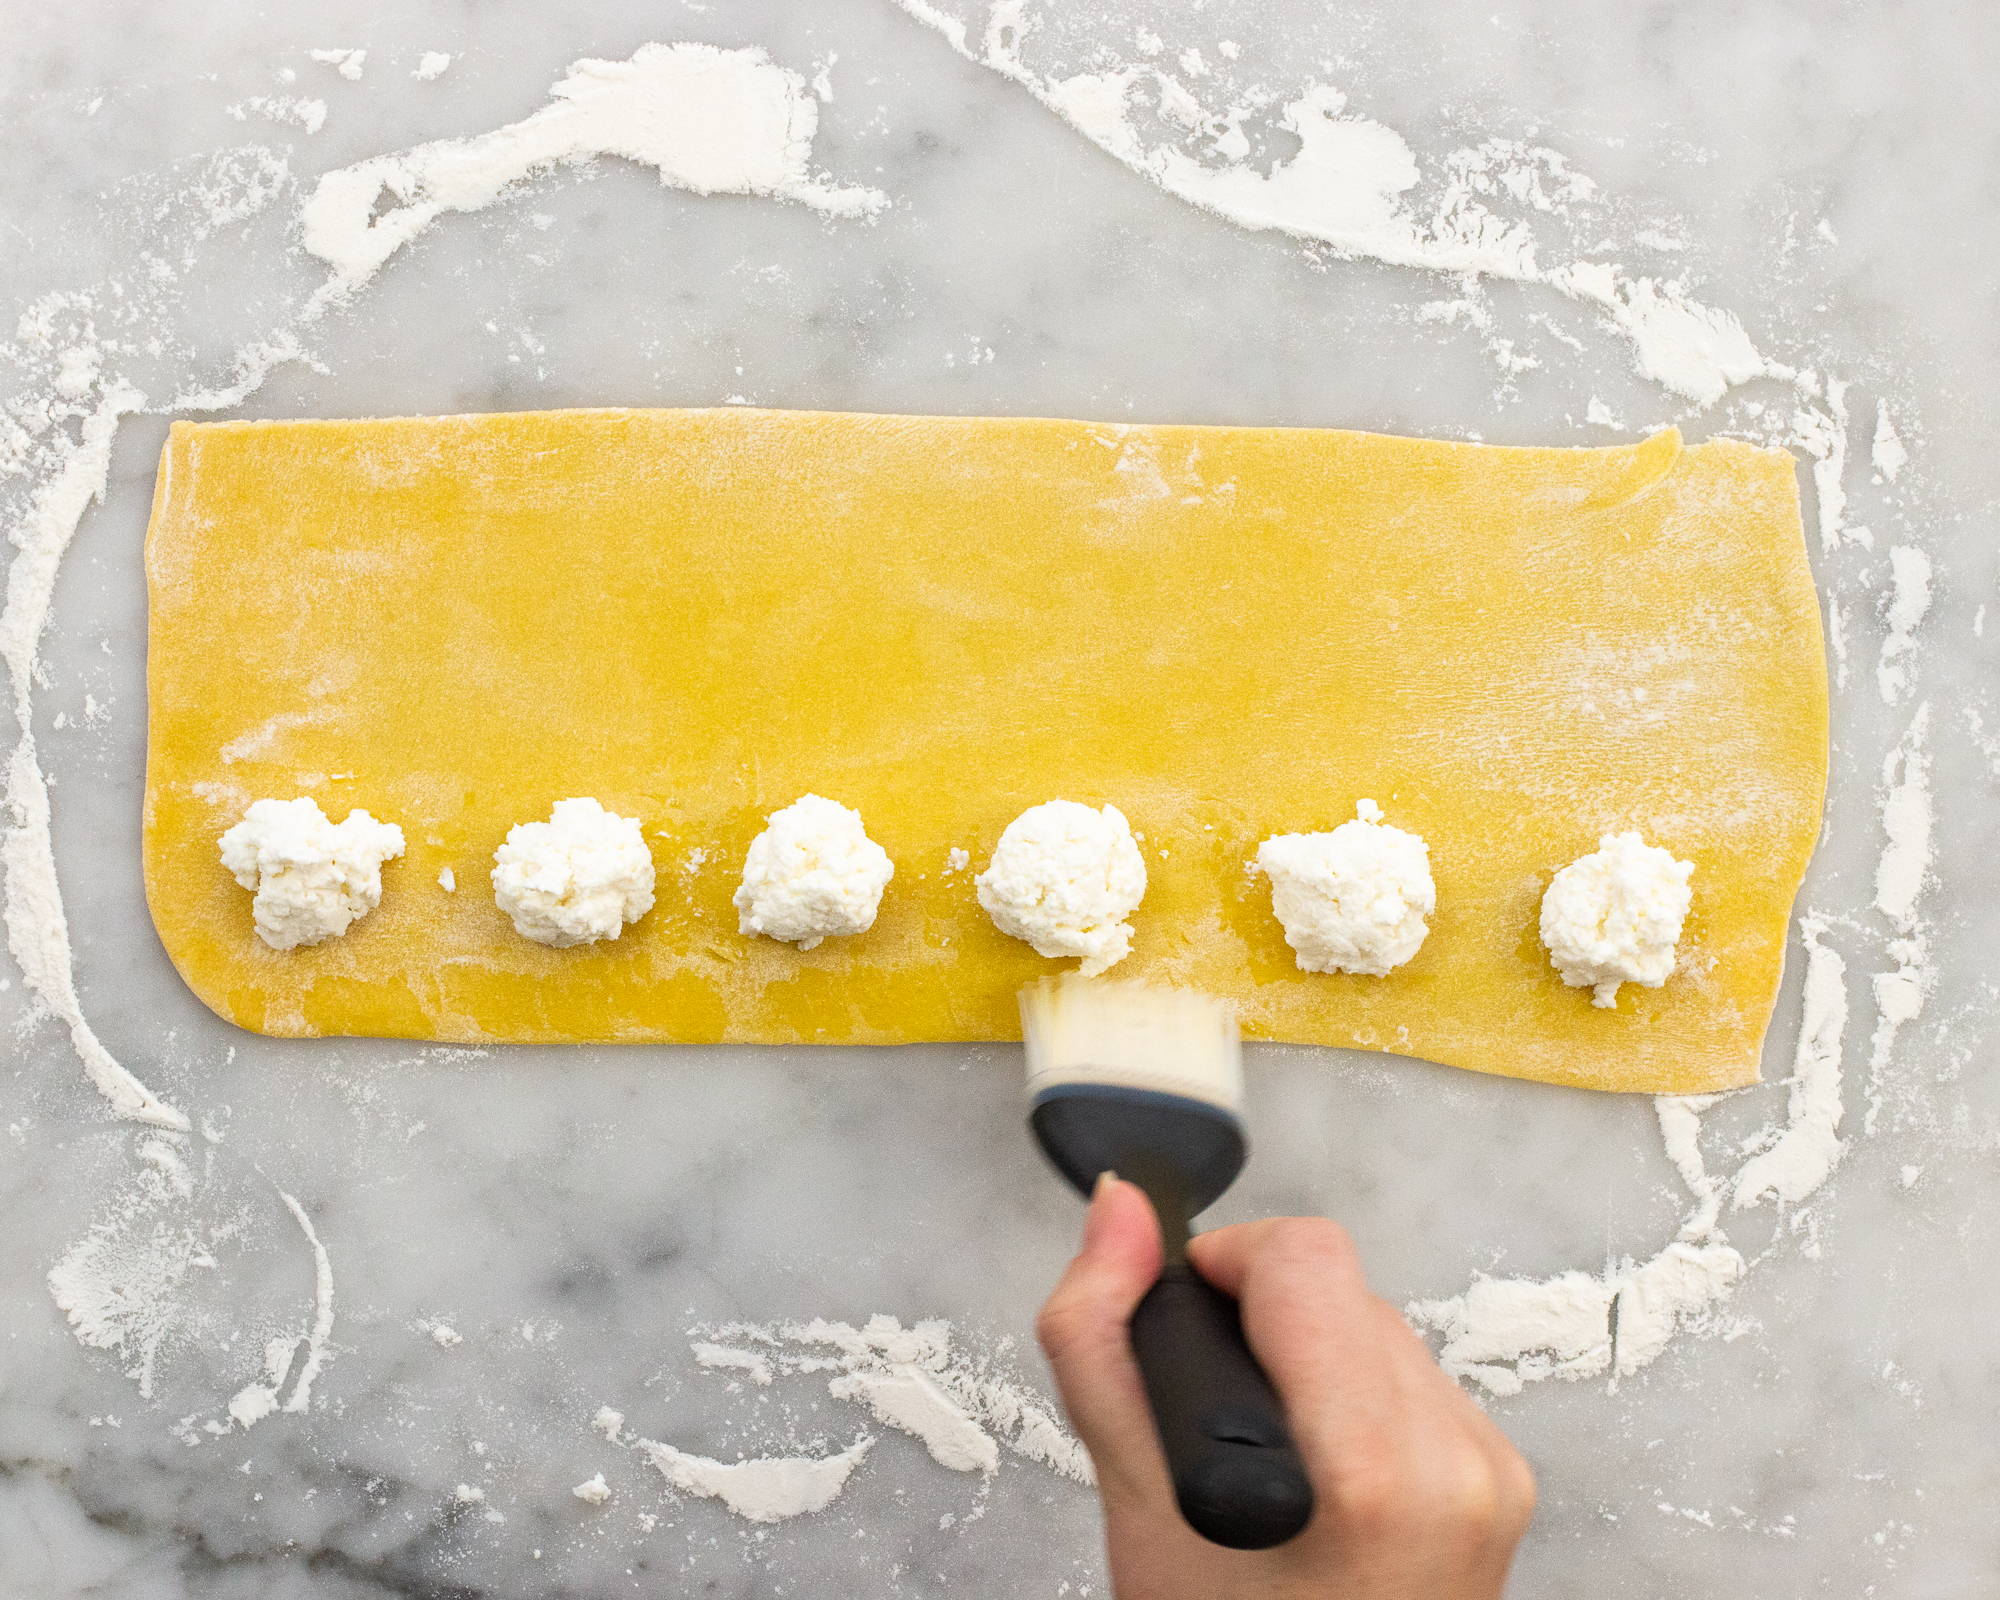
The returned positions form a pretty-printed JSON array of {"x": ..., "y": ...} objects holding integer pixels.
[
  {"x": 1347, "y": 186},
  {"x": 763, "y": 1488},
  {"x": 710, "y": 121},
  {"x": 1353, "y": 188},
  {"x": 964, "y": 1405}
]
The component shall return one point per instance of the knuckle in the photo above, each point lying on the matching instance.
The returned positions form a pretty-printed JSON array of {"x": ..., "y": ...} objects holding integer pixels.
[
  {"x": 1312, "y": 1238},
  {"x": 1454, "y": 1492},
  {"x": 1367, "y": 1498},
  {"x": 1064, "y": 1326},
  {"x": 1517, "y": 1489}
]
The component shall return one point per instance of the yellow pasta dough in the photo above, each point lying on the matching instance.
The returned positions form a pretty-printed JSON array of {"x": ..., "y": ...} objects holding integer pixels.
[{"x": 698, "y": 616}]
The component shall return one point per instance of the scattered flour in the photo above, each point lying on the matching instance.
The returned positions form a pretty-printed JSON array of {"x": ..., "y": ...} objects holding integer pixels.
[
  {"x": 1504, "y": 1333},
  {"x": 1888, "y": 454},
  {"x": 963, "y": 1406},
  {"x": 347, "y": 63},
  {"x": 432, "y": 65},
  {"x": 711, "y": 121},
  {"x": 1909, "y": 603},
  {"x": 908, "y": 1398},
  {"x": 764, "y": 1488},
  {"x": 760, "y": 143},
  {"x": 258, "y": 1400},
  {"x": 593, "y": 1491},
  {"x": 122, "y": 1284},
  {"x": 300, "y": 110},
  {"x": 719, "y": 1357},
  {"x": 1347, "y": 187},
  {"x": 1805, "y": 1153}
]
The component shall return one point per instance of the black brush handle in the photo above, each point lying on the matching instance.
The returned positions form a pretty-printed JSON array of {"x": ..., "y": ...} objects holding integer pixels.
[{"x": 1236, "y": 1476}]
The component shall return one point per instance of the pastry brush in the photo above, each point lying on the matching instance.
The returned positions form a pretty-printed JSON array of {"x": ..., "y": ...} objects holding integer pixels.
[{"x": 1148, "y": 1084}]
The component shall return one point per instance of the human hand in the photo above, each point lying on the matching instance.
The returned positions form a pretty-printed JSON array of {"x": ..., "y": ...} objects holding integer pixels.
[{"x": 1419, "y": 1495}]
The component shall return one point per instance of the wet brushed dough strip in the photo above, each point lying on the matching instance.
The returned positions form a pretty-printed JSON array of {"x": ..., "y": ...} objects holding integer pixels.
[{"x": 698, "y": 616}]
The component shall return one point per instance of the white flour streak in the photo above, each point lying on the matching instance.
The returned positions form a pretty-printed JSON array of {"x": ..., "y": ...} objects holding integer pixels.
[
  {"x": 348, "y": 63},
  {"x": 764, "y": 1488},
  {"x": 1901, "y": 874},
  {"x": 299, "y": 110},
  {"x": 37, "y": 929},
  {"x": 1504, "y": 1333},
  {"x": 1681, "y": 1283},
  {"x": 1680, "y": 1130},
  {"x": 322, "y": 1323},
  {"x": 908, "y": 1398},
  {"x": 256, "y": 1401},
  {"x": 1889, "y": 455},
  {"x": 1822, "y": 434},
  {"x": 1905, "y": 863},
  {"x": 1909, "y": 604},
  {"x": 921, "y": 1380},
  {"x": 723, "y": 1358},
  {"x": 711, "y": 121},
  {"x": 1347, "y": 187},
  {"x": 1810, "y": 1145}
]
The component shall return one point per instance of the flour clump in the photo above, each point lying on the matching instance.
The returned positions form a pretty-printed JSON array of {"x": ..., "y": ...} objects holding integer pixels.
[
  {"x": 812, "y": 874},
  {"x": 1355, "y": 899},
  {"x": 1614, "y": 916},
  {"x": 313, "y": 877},
  {"x": 577, "y": 878},
  {"x": 1064, "y": 878}
]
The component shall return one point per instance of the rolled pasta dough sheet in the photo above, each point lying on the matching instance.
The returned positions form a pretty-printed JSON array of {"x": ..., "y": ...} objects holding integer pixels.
[{"x": 697, "y": 616}]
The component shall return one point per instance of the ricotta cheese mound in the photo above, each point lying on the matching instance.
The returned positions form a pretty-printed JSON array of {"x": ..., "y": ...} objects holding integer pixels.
[
  {"x": 1614, "y": 916},
  {"x": 812, "y": 874},
  {"x": 575, "y": 879},
  {"x": 313, "y": 877},
  {"x": 1064, "y": 877},
  {"x": 1355, "y": 899}
]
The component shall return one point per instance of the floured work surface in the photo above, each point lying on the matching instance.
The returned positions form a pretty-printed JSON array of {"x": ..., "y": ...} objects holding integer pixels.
[{"x": 698, "y": 616}]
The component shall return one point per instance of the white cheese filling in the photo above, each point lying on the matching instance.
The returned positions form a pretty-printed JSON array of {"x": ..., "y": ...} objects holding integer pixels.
[
  {"x": 1064, "y": 878},
  {"x": 812, "y": 874},
  {"x": 577, "y": 878},
  {"x": 1614, "y": 916},
  {"x": 1355, "y": 899},
  {"x": 312, "y": 877}
]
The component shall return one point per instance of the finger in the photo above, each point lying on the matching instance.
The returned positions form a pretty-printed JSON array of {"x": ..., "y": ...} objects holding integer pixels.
[{"x": 1083, "y": 1331}]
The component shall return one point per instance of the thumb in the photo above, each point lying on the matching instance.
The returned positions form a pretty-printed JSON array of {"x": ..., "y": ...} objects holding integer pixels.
[{"x": 1083, "y": 1331}]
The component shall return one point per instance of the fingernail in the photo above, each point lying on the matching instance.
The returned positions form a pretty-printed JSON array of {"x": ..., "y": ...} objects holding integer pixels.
[{"x": 1093, "y": 1219}]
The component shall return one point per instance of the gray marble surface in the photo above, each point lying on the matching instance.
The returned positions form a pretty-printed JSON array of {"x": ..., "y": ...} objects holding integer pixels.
[{"x": 573, "y": 1213}]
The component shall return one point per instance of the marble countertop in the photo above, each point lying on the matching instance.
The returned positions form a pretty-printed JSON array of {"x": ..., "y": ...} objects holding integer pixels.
[{"x": 571, "y": 1215}]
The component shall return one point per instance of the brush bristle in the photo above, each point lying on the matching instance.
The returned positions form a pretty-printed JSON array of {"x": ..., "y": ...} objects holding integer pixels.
[{"x": 1171, "y": 1041}]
